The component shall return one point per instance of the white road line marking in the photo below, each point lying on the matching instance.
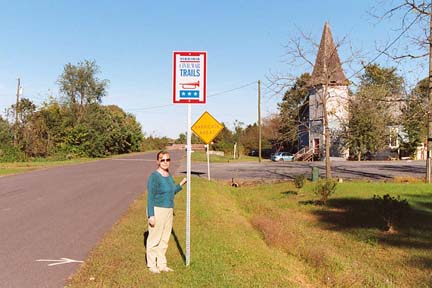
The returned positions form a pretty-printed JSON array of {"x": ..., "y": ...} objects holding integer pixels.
[{"x": 59, "y": 261}]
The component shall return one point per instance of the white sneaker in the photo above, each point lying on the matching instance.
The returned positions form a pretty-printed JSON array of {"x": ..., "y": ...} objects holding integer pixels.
[
  {"x": 166, "y": 269},
  {"x": 154, "y": 270}
]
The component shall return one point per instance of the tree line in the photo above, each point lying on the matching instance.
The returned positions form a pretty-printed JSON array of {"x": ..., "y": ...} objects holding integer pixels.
[
  {"x": 78, "y": 125},
  {"x": 75, "y": 125}
]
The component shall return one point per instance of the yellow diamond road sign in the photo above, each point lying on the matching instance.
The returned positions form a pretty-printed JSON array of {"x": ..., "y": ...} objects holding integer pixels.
[{"x": 207, "y": 127}]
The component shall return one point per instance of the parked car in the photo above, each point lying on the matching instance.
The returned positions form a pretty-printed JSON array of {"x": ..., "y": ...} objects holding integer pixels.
[{"x": 282, "y": 156}]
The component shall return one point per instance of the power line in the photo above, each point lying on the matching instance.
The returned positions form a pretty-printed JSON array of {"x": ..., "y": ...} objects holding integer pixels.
[
  {"x": 231, "y": 90},
  {"x": 209, "y": 96},
  {"x": 387, "y": 47}
]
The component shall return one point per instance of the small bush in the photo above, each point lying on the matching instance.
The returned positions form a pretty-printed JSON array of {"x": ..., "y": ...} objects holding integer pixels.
[
  {"x": 299, "y": 181},
  {"x": 324, "y": 188},
  {"x": 11, "y": 154},
  {"x": 391, "y": 209}
]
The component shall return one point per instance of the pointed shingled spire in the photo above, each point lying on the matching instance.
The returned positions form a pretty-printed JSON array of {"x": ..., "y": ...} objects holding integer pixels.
[{"x": 327, "y": 63}]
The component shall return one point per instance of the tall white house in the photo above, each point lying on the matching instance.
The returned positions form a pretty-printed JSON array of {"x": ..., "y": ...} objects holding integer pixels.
[{"x": 328, "y": 83}]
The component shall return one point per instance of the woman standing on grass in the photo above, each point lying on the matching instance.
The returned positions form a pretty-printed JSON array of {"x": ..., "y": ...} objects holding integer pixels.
[{"x": 161, "y": 190}]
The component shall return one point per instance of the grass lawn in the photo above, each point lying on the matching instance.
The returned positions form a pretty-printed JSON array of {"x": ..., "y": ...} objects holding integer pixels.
[
  {"x": 20, "y": 167},
  {"x": 37, "y": 164},
  {"x": 271, "y": 235}
]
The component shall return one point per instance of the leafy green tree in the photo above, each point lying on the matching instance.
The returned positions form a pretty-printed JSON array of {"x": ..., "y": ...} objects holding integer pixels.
[
  {"x": 8, "y": 153},
  {"x": 58, "y": 120},
  {"x": 366, "y": 126},
  {"x": 293, "y": 112},
  {"x": 155, "y": 143},
  {"x": 80, "y": 86},
  {"x": 385, "y": 78},
  {"x": 24, "y": 111},
  {"x": 125, "y": 135},
  {"x": 182, "y": 139},
  {"x": 414, "y": 118},
  {"x": 250, "y": 135},
  {"x": 249, "y": 138},
  {"x": 373, "y": 110},
  {"x": 6, "y": 135},
  {"x": 78, "y": 126},
  {"x": 224, "y": 141},
  {"x": 103, "y": 131}
]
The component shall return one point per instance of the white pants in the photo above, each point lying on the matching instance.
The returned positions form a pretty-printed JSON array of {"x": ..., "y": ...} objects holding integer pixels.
[{"x": 159, "y": 235}]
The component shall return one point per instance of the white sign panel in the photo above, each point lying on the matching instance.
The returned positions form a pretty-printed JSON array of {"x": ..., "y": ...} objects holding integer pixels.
[{"x": 189, "y": 85}]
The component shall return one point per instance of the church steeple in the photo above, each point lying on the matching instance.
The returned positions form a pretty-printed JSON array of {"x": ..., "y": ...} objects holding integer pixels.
[{"x": 327, "y": 68}]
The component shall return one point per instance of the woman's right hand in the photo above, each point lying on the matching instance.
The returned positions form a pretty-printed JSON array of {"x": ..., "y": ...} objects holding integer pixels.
[{"x": 152, "y": 221}]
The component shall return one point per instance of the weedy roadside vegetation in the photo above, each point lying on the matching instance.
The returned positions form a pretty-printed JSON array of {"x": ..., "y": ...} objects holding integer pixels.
[
  {"x": 31, "y": 164},
  {"x": 8, "y": 168},
  {"x": 266, "y": 236},
  {"x": 299, "y": 181},
  {"x": 324, "y": 188}
]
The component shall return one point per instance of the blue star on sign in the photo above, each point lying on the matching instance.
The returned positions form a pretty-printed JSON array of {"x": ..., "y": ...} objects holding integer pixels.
[{"x": 189, "y": 94}]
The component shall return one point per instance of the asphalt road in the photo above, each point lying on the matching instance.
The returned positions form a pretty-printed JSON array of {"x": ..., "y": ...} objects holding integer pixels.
[
  {"x": 56, "y": 216},
  {"x": 63, "y": 213},
  {"x": 350, "y": 170}
]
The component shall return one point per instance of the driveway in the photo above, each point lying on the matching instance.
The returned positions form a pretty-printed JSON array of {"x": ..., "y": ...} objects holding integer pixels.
[{"x": 350, "y": 170}]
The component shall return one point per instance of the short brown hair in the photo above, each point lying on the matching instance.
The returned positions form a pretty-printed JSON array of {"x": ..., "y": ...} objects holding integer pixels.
[{"x": 162, "y": 152}]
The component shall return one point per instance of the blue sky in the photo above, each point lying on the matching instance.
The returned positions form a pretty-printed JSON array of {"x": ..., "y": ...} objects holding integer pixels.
[{"x": 133, "y": 43}]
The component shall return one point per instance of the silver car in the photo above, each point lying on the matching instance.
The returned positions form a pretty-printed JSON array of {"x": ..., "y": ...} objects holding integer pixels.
[{"x": 282, "y": 156}]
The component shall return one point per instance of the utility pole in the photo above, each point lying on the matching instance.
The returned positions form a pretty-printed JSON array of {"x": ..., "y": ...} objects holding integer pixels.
[
  {"x": 16, "y": 112},
  {"x": 259, "y": 121},
  {"x": 429, "y": 113}
]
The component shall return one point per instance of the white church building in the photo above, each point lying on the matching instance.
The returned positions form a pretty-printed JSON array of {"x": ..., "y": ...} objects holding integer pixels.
[{"x": 328, "y": 84}]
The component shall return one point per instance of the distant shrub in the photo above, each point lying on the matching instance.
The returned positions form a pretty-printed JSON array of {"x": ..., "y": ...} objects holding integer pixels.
[
  {"x": 391, "y": 209},
  {"x": 11, "y": 154},
  {"x": 324, "y": 188},
  {"x": 299, "y": 181}
]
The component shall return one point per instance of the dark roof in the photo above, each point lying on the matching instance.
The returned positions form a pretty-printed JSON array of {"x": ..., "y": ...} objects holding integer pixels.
[{"x": 327, "y": 63}]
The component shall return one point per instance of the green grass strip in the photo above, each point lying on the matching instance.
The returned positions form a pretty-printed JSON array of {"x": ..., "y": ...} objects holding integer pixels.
[{"x": 225, "y": 249}]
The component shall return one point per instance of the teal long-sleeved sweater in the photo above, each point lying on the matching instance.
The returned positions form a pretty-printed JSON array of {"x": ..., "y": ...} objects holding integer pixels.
[{"x": 161, "y": 191}]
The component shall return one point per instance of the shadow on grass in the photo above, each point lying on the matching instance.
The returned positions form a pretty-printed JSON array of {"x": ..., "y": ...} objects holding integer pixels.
[
  {"x": 180, "y": 249},
  {"x": 311, "y": 202},
  {"x": 359, "y": 218},
  {"x": 422, "y": 200},
  {"x": 197, "y": 173},
  {"x": 145, "y": 237},
  {"x": 289, "y": 192},
  {"x": 421, "y": 261},
  {"x": 414, "y": 230}
]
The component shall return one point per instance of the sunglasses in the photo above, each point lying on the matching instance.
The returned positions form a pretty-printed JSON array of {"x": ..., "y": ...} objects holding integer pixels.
[{"x": 164, "y": 160}]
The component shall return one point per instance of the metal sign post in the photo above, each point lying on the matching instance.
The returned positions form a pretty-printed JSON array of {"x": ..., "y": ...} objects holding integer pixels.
[
  {"x": 188, "y": 177},
  {"x": 189, "y": 87},
  {"x": 208, "y": 161}
]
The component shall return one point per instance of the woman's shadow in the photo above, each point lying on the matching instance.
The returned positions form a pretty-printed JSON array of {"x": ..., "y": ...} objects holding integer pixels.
[{"x": 180, "y": 249}]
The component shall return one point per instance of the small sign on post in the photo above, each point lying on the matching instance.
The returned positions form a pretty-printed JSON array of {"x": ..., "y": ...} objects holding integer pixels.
[
  {"x": 190, "y": 72},
  {"x": 207, "y": 127}
]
